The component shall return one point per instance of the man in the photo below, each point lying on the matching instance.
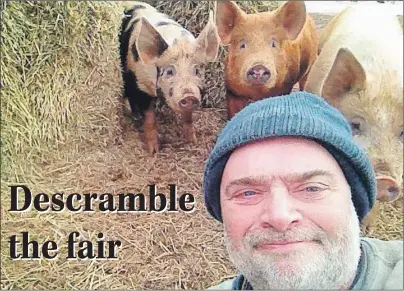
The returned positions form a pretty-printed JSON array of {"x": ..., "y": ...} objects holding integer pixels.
[{"x": 291, "y": 188}]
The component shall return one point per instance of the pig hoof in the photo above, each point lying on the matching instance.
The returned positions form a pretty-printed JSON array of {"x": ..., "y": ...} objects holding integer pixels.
[
  {"x": 152, "y": 147},
  {"x": 189, "y": 134},
  {"x": 152, "y": 142},
  {"x": 370, "y": 230},
  {"x": 398, "y": 203}
]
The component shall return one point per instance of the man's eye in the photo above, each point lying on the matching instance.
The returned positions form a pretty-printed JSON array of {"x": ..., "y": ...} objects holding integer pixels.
[
  {"x": 244, "y": 194},
  {"x": 247, "y": 197},
  {"x": 312, "y": 189},
  {"x": 249, "y": 193},
  {"x": 312, "y": 192}
]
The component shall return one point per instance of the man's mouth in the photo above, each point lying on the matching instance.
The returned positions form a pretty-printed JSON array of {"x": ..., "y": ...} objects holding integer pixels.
[{"x": 283, "y": 246}]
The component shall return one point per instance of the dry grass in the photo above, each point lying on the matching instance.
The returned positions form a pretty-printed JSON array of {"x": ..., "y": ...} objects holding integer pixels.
[
  {"x": 50, "y": 52},
  {"x": 92, "y": 148}
]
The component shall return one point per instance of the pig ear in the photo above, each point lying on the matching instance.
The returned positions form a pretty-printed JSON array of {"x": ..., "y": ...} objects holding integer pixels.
[
  {"x": 387, "y": 189},
  {"x": 228, "y": 14},
  {"x": 149, "y": 43},
  {"x": 208, "y": 40},
  {"x": 346, "y": 76},
  {"x": 292, "y": 16}
]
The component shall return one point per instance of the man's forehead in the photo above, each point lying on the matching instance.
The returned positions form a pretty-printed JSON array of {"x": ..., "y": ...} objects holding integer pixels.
[{"x": 280, "y": 156}]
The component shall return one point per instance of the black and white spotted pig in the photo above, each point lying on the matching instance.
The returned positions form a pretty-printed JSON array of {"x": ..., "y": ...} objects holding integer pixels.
[{"x": 161, "y": 59}]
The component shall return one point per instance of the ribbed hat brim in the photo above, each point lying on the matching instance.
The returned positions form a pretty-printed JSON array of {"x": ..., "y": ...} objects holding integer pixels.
[{"x": 299, "y": 114}]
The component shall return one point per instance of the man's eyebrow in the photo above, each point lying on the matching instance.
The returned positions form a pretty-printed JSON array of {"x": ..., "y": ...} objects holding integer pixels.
[
  {"x": 250, "y": 180},
  {"x": 300, "y": 177},
  {"x": 265, "y": 180}
]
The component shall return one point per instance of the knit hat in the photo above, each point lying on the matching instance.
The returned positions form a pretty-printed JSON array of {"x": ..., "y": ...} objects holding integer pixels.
[{"x": 299, "y": 114}]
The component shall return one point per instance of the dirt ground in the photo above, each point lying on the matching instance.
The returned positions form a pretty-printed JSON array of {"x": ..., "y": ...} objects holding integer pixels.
[{"x": 160, "y": 251}]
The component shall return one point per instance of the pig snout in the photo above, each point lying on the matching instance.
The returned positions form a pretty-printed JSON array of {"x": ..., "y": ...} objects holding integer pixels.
[
  {"x": 387, "y": 189},
  {"x": 258, "y": 75},
  {"x": 189, "y": 102}
]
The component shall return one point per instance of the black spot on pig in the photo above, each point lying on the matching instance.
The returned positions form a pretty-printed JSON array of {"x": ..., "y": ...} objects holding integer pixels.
[
  {"x": 138, "y": 99},
  {"x": 124, "y": 41},
  {"x": 135, "y": 53},
  {"x": 162, "y": 46},
  {"x": 130, "y": 12},
  {"x": 160, "y": 94},
  {"x": 162, "y": 23}
]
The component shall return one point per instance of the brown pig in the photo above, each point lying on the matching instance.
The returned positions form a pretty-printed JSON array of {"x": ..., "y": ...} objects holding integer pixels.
[
  {"x": 161, "y": 59},
  {"x": 268, "y": 52},
  {"x": 360, "y": 71}
]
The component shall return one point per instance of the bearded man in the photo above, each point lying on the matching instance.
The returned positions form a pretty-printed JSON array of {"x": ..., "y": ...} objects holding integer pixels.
[{"x": 291, "y": 188}]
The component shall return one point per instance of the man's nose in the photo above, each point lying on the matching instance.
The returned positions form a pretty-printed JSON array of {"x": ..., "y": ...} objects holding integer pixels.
[{"x": 279, "y": 211}]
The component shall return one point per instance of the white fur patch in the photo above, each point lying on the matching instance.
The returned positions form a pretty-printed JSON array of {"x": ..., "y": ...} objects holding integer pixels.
[{"x": 169, "y": 32}]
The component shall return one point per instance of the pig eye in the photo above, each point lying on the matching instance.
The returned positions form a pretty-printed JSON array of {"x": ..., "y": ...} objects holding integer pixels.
[
  {"x": 356, "y": 128},
  {"x": 243, "y": 44},
  {"x": 170, "y": 71},
  {"x": 400, "y": 133},
  {"x": 357, "y": 125},
  {"x": 273, "y": 43}
]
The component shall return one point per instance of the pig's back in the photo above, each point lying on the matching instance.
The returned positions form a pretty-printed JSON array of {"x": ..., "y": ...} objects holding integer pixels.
[
  {"x": 373, "y": 35},
  {"x": 168, "y": 28}
]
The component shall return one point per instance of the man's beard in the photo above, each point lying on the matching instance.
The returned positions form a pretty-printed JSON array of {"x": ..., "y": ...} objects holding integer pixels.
[{"x": 329, "y": 263}]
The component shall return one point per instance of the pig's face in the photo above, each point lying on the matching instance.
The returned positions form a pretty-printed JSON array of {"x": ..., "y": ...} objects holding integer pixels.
[
  {"x": 257, "y": 57},
  {"x": 376, "y": 119},
  {"x": 180, "y": 77},
  {"x": 180, "y": 67},
  {"x": 374, "y": 107}
]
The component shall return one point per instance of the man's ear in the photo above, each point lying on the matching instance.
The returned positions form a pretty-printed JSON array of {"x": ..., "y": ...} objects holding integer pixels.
[
  {"x": 208, "y": 40},
  {"x": 292, "y": 17},
  {"x": 150, "y": 44},
  {"x": 227, "y": 16},
  {"x": 346, "y": 76}
]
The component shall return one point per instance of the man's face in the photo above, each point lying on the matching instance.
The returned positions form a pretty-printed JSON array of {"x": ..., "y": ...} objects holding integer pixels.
[{"x": 288, "y": 217}]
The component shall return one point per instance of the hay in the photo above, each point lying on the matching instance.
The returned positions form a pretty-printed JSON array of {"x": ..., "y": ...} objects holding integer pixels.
[
  {"x": 50, "y": 55},
  {"x": 92, "y": 148}
]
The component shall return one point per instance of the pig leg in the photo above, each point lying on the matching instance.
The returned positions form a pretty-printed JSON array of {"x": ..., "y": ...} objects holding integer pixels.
[
  {"x": 150, "y": 129},
  {"x": 234, "y": 104},
  {"x": 303, "y": 81},
  {"x": 369, "y": 222},
  {"x": 142, "y": 105},
  {"x": 399, "y": 202},
  {"x": 188, "y": 130}
]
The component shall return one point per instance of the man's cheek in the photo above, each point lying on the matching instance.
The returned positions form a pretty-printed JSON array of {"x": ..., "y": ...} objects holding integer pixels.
[
  {"x": 238, "y": 220},
  {"x": 328, "y": 218}
]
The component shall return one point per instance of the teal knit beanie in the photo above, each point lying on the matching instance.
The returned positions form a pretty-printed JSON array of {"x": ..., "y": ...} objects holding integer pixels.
[{"x": 299, "y": 114}]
